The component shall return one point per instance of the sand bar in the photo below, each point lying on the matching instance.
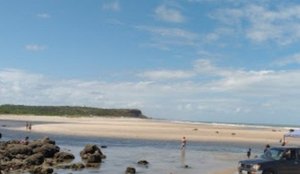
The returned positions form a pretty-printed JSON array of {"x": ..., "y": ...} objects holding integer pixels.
[{"x": 147, "y": 129}]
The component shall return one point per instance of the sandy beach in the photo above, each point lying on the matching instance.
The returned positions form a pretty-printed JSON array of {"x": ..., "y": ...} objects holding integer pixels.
[{"x": 150, "y": 129}]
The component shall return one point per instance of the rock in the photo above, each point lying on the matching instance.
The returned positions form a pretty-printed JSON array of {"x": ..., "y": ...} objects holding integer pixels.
[
  {"x": 41, "y": 170},
  {"x": 41, "y": 156},
  {"x": 15, "y": 149},
  {"x": 143, "y": 162},
  {"x": 41, "y": 142},
  {"x": 77, "y": 166},
  {"x": 90, "y": 149},
  {"x": 48, "y": 150},
  {"x": 94, "y": 158},
  {"x": 92, "y": 154},
  {"x": 92, "y": 165},
  {"x": 74, "y": 166},
  {"x": 63, "y": 157},
  {"x": 130, "y": 170},
  {"x": 35, "y": 159}
]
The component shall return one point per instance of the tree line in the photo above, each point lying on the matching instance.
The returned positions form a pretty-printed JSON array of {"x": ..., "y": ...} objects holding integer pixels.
[{"x": 69, "y": 111}]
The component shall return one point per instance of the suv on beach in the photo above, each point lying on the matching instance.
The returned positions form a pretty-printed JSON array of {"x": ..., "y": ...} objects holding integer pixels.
[{"x": 277, "y": 160}]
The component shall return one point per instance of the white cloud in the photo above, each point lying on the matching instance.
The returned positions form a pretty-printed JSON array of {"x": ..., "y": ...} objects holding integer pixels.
[
  {"x": 35, "y": 47},
  {"x": 243, "y": 80},
  {"x": 164, "y": 38},
  {"x": 241, "y": 93},
  {"x": 205, "y": 66},
  {"x": 44, "y": 15},
  {"x": 262, "y": 23},
  {"x": 112, "y": 6},
  {"x": 168, "y": 14},
  {"x": 293, "y": 59},
  {"x": 171, "y": 32},
  {"x": 167, "y": 74}
]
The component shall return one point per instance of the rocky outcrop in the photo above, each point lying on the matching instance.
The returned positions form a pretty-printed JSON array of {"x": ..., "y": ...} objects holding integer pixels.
[
  {"x": 92, "y": 154},
  {"x": 42, "y": 156},
  {"x": 63, "y": 157}
]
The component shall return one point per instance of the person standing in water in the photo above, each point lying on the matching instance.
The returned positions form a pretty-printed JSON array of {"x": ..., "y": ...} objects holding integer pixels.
[
  {"x": 182, "y": 150},
  {"x": 249, "y": 153},
  {"x": 29, "y": 126}
]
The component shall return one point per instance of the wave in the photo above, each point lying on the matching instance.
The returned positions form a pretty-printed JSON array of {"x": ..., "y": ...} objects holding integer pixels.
[{"x": 243, "y": 125}]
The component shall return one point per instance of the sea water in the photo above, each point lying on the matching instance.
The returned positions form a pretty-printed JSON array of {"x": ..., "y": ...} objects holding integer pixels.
[{"x": 164, "y": 157}]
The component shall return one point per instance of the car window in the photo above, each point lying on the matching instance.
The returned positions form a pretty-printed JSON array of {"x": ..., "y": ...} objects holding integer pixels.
[
  {"x": 293, "y": 154},
  {"x": 289, "y": 154},
  {"x": 274, "y": 154},
  {"x": 298, "y": 154}
]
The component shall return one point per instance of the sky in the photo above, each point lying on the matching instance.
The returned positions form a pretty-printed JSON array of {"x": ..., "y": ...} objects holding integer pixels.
[{"x": 198, "y": 60}]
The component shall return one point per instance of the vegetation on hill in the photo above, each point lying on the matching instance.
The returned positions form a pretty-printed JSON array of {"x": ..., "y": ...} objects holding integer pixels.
[{"x": 69, "y": 111}]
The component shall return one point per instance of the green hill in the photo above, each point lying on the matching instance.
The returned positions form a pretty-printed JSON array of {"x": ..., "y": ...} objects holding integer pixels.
[{"x": 69, "y": 111}]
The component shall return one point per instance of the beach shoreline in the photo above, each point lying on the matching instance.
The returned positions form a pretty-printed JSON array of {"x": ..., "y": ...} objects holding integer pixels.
[{"x": 150, "y": 129}]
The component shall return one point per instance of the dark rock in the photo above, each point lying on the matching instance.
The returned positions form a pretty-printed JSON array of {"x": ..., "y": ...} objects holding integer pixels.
[
  {"x": 130, "y": 170},
  {"x": 15, "y": 149},
  {"x": 90, "y": 149},
  {"x": 39, "y": 156},
  {"x": 41, "y": 142},
  {"x": 48, "y": 150},
  {"x": 63, "y": 156},
  {"x": 74, "y": 166},
  {"x": 143, "y": 162},
  {"x": 47, "y": 140},
  {"x": 92, "y": 154},
  {"x": 41, "y": 170},
  {"x": 35, "y": 159},
  {"x": 92, "y": 165},
  {"x": 94, "y": 158},
  {"x": 77, "y": 166}
]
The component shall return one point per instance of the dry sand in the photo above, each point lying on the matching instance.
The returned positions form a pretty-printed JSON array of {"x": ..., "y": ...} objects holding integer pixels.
[{"x": 148, "y": 129}]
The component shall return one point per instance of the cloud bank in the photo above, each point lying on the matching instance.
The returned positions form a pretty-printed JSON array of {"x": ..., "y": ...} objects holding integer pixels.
[{"x": 167, "y": 93}]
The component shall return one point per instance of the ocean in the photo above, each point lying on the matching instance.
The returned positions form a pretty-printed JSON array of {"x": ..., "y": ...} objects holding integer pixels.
[{"x": 164, "y": 157}]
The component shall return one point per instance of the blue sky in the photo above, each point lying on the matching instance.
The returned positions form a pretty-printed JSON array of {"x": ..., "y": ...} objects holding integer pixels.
[{"x": 202, "y": 60}]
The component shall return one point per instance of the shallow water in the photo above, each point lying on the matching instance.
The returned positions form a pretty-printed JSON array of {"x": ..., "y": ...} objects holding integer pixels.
[{"x": 163, "y": 156}]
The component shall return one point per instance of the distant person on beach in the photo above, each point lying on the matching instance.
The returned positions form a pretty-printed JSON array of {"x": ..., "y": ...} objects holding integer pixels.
[
  {"x": 182, "y": 150},
  {"x": 267, "y": 148},
  {"x": 284, "y": 143},
  {"x": 29, "y": 126},
  {"x": 183, "y": 143},
  {"x": 249, "y": 153},
  {"x": 0, "y": 135},
  {"x": 25, "y": 141}
]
